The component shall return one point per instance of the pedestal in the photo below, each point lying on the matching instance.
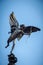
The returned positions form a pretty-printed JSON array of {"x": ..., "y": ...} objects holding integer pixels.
[{"x": 12, "y": 59}]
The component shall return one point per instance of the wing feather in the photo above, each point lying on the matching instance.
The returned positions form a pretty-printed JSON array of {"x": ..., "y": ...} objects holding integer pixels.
[
  {"x": 30, "y": 29},
  {"x": 13, "y": 21}
]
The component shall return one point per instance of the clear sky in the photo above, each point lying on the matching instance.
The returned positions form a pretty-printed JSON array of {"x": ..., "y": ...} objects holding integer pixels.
[{"x": 29, "y": 50}]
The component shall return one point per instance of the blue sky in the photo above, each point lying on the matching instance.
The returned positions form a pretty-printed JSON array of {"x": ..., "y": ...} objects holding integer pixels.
[{"x": 29, "y": 50}]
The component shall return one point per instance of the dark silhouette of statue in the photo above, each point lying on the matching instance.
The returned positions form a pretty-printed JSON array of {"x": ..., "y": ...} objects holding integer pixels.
[{"x": 17, "y": 31}]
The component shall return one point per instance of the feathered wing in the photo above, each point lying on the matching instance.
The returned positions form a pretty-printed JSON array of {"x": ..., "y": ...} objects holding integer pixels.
[
  {"x": 30, "y": 29},
  {"x": 27, "y": 31},
  {"x": 13, "y": 21}
]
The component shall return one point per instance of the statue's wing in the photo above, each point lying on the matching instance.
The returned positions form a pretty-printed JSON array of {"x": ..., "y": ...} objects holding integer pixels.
[
  {"x": 13, "y": 22},
  {"x": 30, "y": 29}
]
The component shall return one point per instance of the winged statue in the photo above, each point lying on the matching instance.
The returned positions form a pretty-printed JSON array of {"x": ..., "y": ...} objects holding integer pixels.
[{"x": 17, "y": 31}]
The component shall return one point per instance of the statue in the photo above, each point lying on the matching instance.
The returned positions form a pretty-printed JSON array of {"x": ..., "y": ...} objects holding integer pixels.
[{"x": 17, "y": 31}]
